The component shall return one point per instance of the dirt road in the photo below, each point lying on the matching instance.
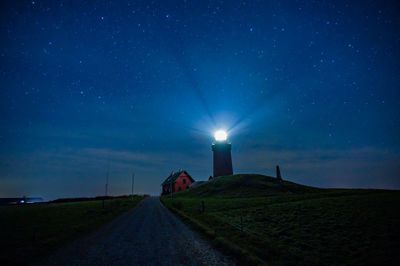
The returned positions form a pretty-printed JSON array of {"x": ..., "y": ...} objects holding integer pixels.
[{"x": 147, "y": 235}]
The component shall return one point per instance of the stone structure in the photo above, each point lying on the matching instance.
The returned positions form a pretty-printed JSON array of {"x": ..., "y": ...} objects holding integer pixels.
[{"x": 222, "y": 160}]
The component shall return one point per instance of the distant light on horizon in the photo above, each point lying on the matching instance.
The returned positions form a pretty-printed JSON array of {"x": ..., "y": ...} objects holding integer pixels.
[{"x": 220, "y": 135}]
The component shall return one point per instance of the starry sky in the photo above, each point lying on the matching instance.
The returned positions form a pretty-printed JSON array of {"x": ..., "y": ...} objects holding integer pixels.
[{"x": 140, "y": 86}]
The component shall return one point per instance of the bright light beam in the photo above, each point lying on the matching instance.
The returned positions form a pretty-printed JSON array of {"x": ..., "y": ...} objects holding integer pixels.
[{"x": 220, "y": 135}]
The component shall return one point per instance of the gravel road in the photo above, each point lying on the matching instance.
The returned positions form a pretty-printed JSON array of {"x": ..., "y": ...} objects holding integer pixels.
[{"x": 147, "y": 235}]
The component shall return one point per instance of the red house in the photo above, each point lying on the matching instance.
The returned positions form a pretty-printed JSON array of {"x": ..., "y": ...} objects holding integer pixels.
[{"x": 178, "y": 181}]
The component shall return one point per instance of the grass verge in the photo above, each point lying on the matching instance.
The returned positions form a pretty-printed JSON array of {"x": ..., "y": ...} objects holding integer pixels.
[
  {"x": 30, "y": 232},
  {"x": 241, "y": 256},
  {"x": 329, "y": 227}
]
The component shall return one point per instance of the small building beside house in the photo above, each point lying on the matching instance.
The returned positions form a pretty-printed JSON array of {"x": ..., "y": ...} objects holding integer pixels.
[{"x": 176, "y": 182}]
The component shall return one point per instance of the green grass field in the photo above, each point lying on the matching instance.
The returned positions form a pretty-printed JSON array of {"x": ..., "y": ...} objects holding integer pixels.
[
  {"x": 273, "y": 223},
  {"x": 29, "y": 232}
]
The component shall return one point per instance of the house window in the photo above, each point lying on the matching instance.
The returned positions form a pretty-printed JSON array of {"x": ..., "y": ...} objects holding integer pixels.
[
  {"x": 179, "y": 189},
  {"x": 184, "y": 181}
]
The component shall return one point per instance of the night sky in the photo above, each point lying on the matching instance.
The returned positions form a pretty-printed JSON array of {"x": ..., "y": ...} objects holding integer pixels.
[{"x": 140, "y": 86}]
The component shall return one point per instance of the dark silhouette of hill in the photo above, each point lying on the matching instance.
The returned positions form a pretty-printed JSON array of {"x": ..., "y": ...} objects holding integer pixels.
[{"x": 247, "y": 185}]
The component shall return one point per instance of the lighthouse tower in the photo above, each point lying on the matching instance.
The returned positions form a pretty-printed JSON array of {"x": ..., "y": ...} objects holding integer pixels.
[{"x": 222, "y": 160}]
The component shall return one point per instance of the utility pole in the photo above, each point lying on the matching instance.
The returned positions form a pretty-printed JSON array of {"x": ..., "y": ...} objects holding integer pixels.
[
  {"x": 133, "y": 183},
  {"x": 108, "y": 172},
  {"x": 106, "y": 186}
]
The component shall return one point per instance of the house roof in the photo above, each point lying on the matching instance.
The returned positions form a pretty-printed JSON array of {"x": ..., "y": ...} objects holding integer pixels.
[{"x": 173, "y": 176}]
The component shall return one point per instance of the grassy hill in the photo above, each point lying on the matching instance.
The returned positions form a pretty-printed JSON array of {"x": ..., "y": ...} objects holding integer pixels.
[
  {"x": 262, "y": 221},
  {"x": 246, "y": 185}
]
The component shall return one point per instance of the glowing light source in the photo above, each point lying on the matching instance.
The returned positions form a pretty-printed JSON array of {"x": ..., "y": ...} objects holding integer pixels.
[{"x": 220, "y": 135}]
